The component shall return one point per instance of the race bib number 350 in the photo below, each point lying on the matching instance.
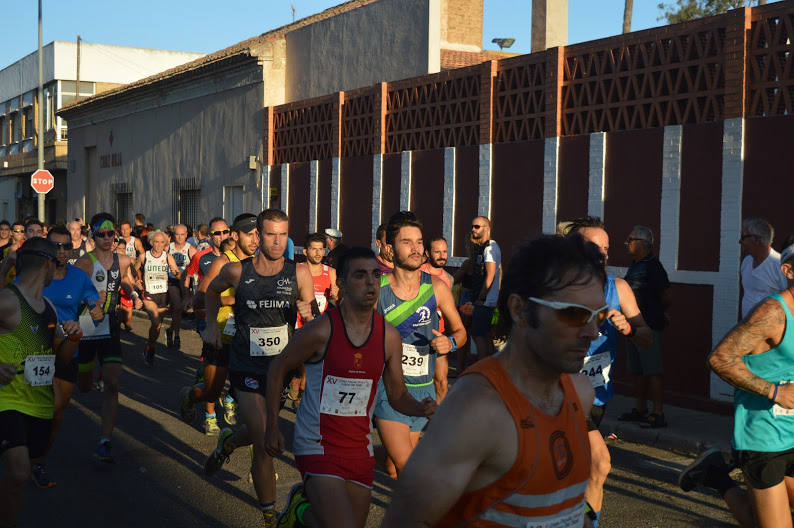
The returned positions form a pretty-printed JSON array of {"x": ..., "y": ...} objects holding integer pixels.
[
  {"x": 345, "y": 396},
  {"x": 597, "y": 368},
  {"x": 39, "y": 370},
  {"x": 268, "y": 341},
  {"x": 415, "y": 360}
]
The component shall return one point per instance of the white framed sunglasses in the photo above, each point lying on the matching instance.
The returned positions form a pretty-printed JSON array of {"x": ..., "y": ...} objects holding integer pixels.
[{"x": 574, "y": 314}]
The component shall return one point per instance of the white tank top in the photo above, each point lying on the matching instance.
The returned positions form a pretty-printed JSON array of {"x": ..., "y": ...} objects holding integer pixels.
[
  {"x": 129, "y": 248},
  {"x": 155, "y": 273},
  {"x": 181, "y": 256}
]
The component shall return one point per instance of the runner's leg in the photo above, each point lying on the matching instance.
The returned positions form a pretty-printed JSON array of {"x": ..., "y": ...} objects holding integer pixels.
[
  {"x": 335, "y": 502},
  {"x": 600, "y": 465},
  {"x": 16, "y": 472},
  {"x": 253, "y": 414},
  {"x": 396, "y": 438},
  {"x": 771, "y": 506},
  {"x": 111, "y": 374}
]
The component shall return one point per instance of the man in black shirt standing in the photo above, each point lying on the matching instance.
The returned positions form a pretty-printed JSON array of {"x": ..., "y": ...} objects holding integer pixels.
[
  {"x": 648, "y": 281},
  {"x": 333, "y": 241}
]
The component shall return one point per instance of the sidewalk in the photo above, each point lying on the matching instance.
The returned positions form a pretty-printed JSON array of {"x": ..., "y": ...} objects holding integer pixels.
[{"x": 688, "y": 432}]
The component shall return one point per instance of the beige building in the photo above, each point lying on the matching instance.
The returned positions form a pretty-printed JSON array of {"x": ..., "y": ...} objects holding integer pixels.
[
  {"x": 102, "y": 67},
  {"x": 187, "y": 144}
]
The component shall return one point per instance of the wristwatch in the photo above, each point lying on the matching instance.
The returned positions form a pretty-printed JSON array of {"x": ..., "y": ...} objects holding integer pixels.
[{"x": 454, "y": 344}]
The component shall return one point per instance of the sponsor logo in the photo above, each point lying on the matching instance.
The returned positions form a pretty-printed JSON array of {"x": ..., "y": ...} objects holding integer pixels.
[
  {"x": 388, "y": 308},
  {"x": 68, "y": 295},
  {"x": 358, "y": 364},
  {"x": 99, "y": 277},
  {"x": 251, "y": 304},
  {"x": 284, "y": 281},
  {"x": 267, "y": 304},
  {"x": 249, "y": 281},
  {"x": 114, "y": 274},
  {"x": 561, "y": 454},
  {"x": 251, "y": 383},
  {"x": 424, "y": 316},
  {"x": 34, "y": 329}
]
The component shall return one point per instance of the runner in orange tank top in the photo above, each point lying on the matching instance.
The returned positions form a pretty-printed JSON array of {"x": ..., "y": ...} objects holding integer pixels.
[{"x": 521, "y": 457}]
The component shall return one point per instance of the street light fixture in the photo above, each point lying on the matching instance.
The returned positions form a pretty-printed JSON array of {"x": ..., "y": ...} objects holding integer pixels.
[{"x": 503, "y": 42}]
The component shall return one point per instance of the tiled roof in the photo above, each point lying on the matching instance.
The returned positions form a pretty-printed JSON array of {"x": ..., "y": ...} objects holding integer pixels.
[
  {"x": 451, "y": 59},
  {"x": 241, "y": 48}
]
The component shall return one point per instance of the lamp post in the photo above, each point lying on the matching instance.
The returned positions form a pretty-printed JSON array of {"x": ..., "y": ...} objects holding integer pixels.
[{"x": 40, "y": 134}]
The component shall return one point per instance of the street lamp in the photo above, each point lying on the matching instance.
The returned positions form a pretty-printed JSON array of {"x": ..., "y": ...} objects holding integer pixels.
[{"x": 503, "y": 42}]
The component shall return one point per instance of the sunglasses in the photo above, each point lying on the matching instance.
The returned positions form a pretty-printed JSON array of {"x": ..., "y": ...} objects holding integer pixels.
[
  {"x": 632, "y": 239},
  {"x": 475, "y": 226},
  {"x": 63, "y": 246},
  {"x": 574, "y": 314},
  {"x": 19, "y": 230},
  {"x": 105, "y": 234},
  {"x": 219, "y": 233}
]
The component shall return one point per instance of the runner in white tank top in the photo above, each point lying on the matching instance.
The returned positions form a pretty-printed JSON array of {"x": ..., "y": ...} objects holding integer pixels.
[{"x": 157, "y": 263}]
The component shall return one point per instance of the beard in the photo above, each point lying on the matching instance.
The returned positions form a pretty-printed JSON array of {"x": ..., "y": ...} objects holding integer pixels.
[{"x": 407, "y": 265}]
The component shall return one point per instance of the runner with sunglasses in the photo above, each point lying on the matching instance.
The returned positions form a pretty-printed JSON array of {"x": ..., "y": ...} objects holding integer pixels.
[
  {"x": 624, "y": 318},
  {"x": 521, "y": 455},
  {"x": 109, "y": 272}
]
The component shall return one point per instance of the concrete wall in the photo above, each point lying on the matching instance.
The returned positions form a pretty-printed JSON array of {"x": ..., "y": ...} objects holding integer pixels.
[
  {"x": 383, "y": 41},
  {"x": 203, "y": 129}
]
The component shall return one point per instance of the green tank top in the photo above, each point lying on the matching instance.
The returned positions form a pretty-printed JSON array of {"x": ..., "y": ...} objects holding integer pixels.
[
  {"x": 32, "y": 337},
  {"x": 759, "y": 424}
]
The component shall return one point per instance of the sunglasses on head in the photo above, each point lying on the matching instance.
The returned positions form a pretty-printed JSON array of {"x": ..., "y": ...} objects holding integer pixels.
[
  {"x": 574, "y": 314},
  {"x": 219, "y": 233},
  {"x": 108, "y": 233}
]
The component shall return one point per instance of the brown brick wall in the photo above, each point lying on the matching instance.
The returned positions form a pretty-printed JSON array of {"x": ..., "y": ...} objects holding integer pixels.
[{"x": 461, "y": 22}]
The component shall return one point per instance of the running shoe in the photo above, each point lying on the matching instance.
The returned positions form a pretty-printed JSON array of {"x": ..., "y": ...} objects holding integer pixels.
[
  {"x": 187, "y": 408},
  {"x": 98, "y": 386},
  {"x": 703, "y": 471},
  {"x": 289, "y": 516},
  {"x": 211, "y": 426},
  {"x": 103, "y": 452},
  {"x": 229, "y": 410},
  {"x": 271, "y": 518},
  {"x": 148, "y": 355},
  {"x": 41, "y": 476},
  {"x": 169, "y": 338},
  {"x": 221, "y": 453}
]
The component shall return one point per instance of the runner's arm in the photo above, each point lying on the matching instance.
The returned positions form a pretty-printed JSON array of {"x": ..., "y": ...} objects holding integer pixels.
[
  {"x": 447, "y": 458},
  {"x": 442, "y": 343},
  {"x": 127, "y": 280},
  {"x": 66, "y": 340},
  {"x": 334, "y": 288},
  {"x": 643, "y": 335},
  {"x": 490, "y": 274},
  {"x": 229, "y": 277},
  {"x": 399, "y": 397},
  {"x": 215, "y": 268},
  {"x": 762, "y": 329},
  {"x": 307, "y": 305},
  {"x": 173, "y": 267},
  {"x": 463, "y": 270}
]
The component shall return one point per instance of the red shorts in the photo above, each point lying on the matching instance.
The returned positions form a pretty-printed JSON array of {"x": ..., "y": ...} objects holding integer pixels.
[
  {"x": 358, "y": 470},
  {"x": 125, "y": 299}
]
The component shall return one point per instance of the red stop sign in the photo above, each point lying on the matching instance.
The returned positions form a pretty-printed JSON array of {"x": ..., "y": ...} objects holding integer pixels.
[{"x": 42, "y": 181}]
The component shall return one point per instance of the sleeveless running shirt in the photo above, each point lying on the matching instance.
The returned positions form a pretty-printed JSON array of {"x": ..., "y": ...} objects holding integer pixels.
[
  {"x": 225, "y": 316},
  {"x": 76, "y": 253},
  {"x": 335, "y": 414},
  {"x": 265, "y": 311},
  {"x": 155, "y": 273},
  {"x": 759, "y": 424},
  {"x": 545, "y": 487},
  {"x": 181, "y": 257},
  {"x": 29, "y": 349},
  {"x": 108, "y": 281},
  {"x": 129, "y": 248},
  {"x": 322, "y": 291},
  {"x": 415, "y": 319},
  {"x": 603, "y": 350}
]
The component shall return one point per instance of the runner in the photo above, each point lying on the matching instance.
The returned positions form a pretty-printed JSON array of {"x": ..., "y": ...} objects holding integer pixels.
[
  {"x": 625, "y": 318},
  {"x": 408, "y": 300},
  {"x": 31, "y": 340},
  {"x": 200, "y": 266},
  {"x": 178, "y": 294},
  {"x": 133, "y": 248},
  {"x": 268, "y": 290},
  {"x": 384, "y": 257},
  {"x": 80, "y": 244},
  {"x": 5, "y": 236},
  {"x": 216, "y": 360},
  {"x": 109, "y": 272},
  {"x": 508, "y": 447},
  {"x": 156, "y": 265},
  {"x": 436, "y": 259},
  {"x": 33, "y": 228},
  {"x": 70, "y": 287},
  {"x": 345, "y": 353}
]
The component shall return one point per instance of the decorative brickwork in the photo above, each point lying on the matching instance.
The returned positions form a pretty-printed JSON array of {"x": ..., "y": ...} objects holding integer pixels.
[
  {"x": 306, "y": 130},
  {"x": 770, "y": 66},
  {"x": 360, "y": 115},
  {"x": 519, "y": 98}
]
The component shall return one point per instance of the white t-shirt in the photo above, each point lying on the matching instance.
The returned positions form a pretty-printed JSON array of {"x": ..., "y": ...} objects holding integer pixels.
[
  {"x": 761, "y": 281},
  {"x": 492, "y": 253}
]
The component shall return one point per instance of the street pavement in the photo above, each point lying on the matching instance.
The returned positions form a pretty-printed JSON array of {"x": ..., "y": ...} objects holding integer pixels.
[{"x": 157, "y": 479}]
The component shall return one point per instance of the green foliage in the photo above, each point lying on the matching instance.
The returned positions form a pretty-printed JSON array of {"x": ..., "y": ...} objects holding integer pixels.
[{"x": 684, "y": 10}]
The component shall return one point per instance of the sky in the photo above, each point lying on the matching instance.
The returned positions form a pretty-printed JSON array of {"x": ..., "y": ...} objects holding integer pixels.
[{"x": 206, "y": 26}]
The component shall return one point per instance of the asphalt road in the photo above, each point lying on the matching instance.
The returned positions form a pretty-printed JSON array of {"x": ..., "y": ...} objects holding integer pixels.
[{"x": 157, "y": 479}]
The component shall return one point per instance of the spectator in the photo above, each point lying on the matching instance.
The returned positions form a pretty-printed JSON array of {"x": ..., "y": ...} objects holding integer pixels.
[
  {"x": 761, "y": 275},
  {"x": 333, "y": 241},
  {"x": 486, "y": 271}
]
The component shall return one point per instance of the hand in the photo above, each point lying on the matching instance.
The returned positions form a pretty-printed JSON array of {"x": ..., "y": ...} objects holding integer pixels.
[
  {"x": 139, "y": 284},
  {"x": 274, "y": 441},
  {"x": 137, "y": 303},
  {"x": 72, "y": 330},
  {"x": 7, "y": 373},
  {"x": 618, "y": 320},
  {"x": 785, "y": 396},
  {"x": 305, "y": 309},
  {"x": 96, "y": 313},
  {"x": 441, "y": 343},
  {"x": 429, "y": 405},
  {"x": 212, "y": 337}
]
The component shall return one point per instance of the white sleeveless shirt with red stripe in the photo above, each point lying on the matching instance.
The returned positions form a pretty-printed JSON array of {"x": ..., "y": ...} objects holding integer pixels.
[
  {"x": 322, "y": 291},
  {"x": 335, "y": 414}
]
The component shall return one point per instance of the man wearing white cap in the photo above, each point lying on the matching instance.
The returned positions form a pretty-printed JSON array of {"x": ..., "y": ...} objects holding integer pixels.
[{"x": 333, "y": 241}]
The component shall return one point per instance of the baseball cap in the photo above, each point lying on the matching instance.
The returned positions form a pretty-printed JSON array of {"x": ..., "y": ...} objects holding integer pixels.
[
  {"x": 246, "y": 225},
  {"x": 787, "y": 254},
  {"x": 333, "y": 233}
]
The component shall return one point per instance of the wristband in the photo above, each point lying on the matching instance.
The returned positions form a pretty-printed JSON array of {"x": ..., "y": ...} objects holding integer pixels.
[
  {"x": 454, "y": 344},
  {"x": 774, "y": 395}
]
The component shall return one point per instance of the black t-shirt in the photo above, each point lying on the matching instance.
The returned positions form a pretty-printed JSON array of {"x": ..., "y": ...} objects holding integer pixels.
[
  {"x": 648, "y": 279},
  {"x": 332, "y": 258}
]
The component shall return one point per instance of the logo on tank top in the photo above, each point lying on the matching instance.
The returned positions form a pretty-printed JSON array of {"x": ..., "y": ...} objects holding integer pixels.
[
  {"x": 34, "y": 329},
  {"x": 424, "y": 316},
  {"x": 267, "y": 303},
  {"x": 358, "y": 363},
  {"x": 114, "y": 274},
  {"x": 251, "y": 383},
  {"x": 284, "y": 286},
  {"x": 561, "y": 455},
  {"x": 99, "y": 277}
]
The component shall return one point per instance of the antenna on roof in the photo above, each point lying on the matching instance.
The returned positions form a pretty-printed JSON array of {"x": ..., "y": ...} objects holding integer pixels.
[{"x": 294, "y": 10}]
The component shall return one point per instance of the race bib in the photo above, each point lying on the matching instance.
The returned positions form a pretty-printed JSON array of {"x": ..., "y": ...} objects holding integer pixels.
[
  {"x": 565, "y": 519},
  {"x": 322, "y": 302},
  {"x": 159, "y": 285},
  {"x": 597, "y": 368},
  {"x": 345, "y": 396},
  {"x": 229, "y": 328},
  {"x": 415, "y": 360},
  {"x": 777, "y": 410},
  {"x": 39, "y": 370},
  {"x": 268, "y": 341}
]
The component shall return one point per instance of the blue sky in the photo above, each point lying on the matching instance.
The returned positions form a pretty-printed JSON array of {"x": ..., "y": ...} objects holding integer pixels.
[{"x": 209, "y": 25}]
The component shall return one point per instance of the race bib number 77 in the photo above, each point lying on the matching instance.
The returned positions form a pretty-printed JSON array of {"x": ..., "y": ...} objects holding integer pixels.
[{"x": 345, "y": 396}]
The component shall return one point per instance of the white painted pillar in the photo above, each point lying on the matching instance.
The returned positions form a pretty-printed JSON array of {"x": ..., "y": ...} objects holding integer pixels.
[
  {"x": 265, "y": 188},
  {"x": 377, "y": 195},
  {"x": 486, "y": 177},
  {"x": 285, "y": 187},
  {"x": 448, "y": 221},
  {"x": 335, "y": 177},
  {"x": 551, "y": 150},
  {"x": 405, "y": 180},
  {"x": 595, "y": 194},
  {"x": 671, "y": 197},
  {"x": 314, "y": 171}
]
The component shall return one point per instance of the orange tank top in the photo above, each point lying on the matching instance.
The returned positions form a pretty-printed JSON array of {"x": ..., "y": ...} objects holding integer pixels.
[{"x": 545, "y": 487}]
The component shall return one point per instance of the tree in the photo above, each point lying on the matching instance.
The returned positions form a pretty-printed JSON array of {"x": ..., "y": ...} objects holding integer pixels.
[
  {"x": 627, "y": 9},
  {"x": 684, "y": 10}
]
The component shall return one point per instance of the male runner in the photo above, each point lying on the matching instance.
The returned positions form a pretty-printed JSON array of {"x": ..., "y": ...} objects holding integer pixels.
[
  {"x": 409, "y": 300},
  {"x": 436, "y": 255},
  {"x": 5, "y": 236},
  {"x": 268, "y": 288},
  {"x": 345, "y": 352},
  {"x": 109, "y": 272},
  {"x": 80, "y": 244},
  {"x": 70, "y": 287},
  {"x": 624, "y": 317},
  {"x": 33, "y": 228},
  {"x": 216, "y": 360},
  {"x": 333, "y": 241},
  {"x": 133, "y": 248},
  {"x": 17, "y": 238},
  {"x": 509, "y": 445},
  {"x": 384, "y": 257},
  {"x": 155, "y": 268},
  {"x": 31, "y": 341},
  {"x": 178, "y": 294}
]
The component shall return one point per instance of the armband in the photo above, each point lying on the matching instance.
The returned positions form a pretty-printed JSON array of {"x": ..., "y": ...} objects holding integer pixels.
[
  {"x": 774, "y": 395},
  {"x": 454, "y": 344}
]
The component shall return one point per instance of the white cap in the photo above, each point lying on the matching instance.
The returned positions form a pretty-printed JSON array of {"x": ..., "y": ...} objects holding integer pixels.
[{"x": 333, "y": 233}]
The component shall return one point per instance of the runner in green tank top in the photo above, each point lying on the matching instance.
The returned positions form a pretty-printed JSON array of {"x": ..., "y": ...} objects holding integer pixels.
[{"x": 30, "y": 340}]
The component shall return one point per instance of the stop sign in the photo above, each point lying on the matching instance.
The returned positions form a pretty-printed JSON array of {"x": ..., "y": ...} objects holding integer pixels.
[{"x": 42, "y": 181}]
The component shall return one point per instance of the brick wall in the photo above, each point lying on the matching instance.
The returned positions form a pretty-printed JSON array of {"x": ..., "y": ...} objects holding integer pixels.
[{"x": 461, "y": 24}]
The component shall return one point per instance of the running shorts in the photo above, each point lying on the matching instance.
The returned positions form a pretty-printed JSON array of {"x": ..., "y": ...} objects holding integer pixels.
[
  {"x": 105, "y": 350},
  {"x": 18, "y": 429},
  {"x": 213, "y": 356},
  {"x": 764, "y": 470},
  {"x": 384, "y": 411},
  {"x": 66, "y": 371},
  {"x": 595, "y": 417},
  {"x": 481, "y": 321},
  {"x": 358, "y": 470}
]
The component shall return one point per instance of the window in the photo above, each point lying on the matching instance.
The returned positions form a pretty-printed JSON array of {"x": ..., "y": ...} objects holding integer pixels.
[
  {"x": 13, "y": 127},
  {"x": 190, "y": 207},
  {"x": 68, "y": 94},
  {"x": 27, "y": 123},
  {"x": 124, "y": 207},
  {"x": 49, "y": 116},
  {"x": 232, "y": 201},
  {"x": 3, "y": 133}
]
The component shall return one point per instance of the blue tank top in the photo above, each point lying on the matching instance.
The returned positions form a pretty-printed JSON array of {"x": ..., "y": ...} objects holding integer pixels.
[
  {"x": 759, "y": 424},
  {"x": 603, "y": 350},
  {"x": 415, "y": 319}
]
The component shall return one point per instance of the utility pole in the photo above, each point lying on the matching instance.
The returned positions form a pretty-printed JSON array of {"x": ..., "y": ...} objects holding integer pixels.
[
  {"x": 40, "y": 134},
  {"x": 627, "y": 10}
]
